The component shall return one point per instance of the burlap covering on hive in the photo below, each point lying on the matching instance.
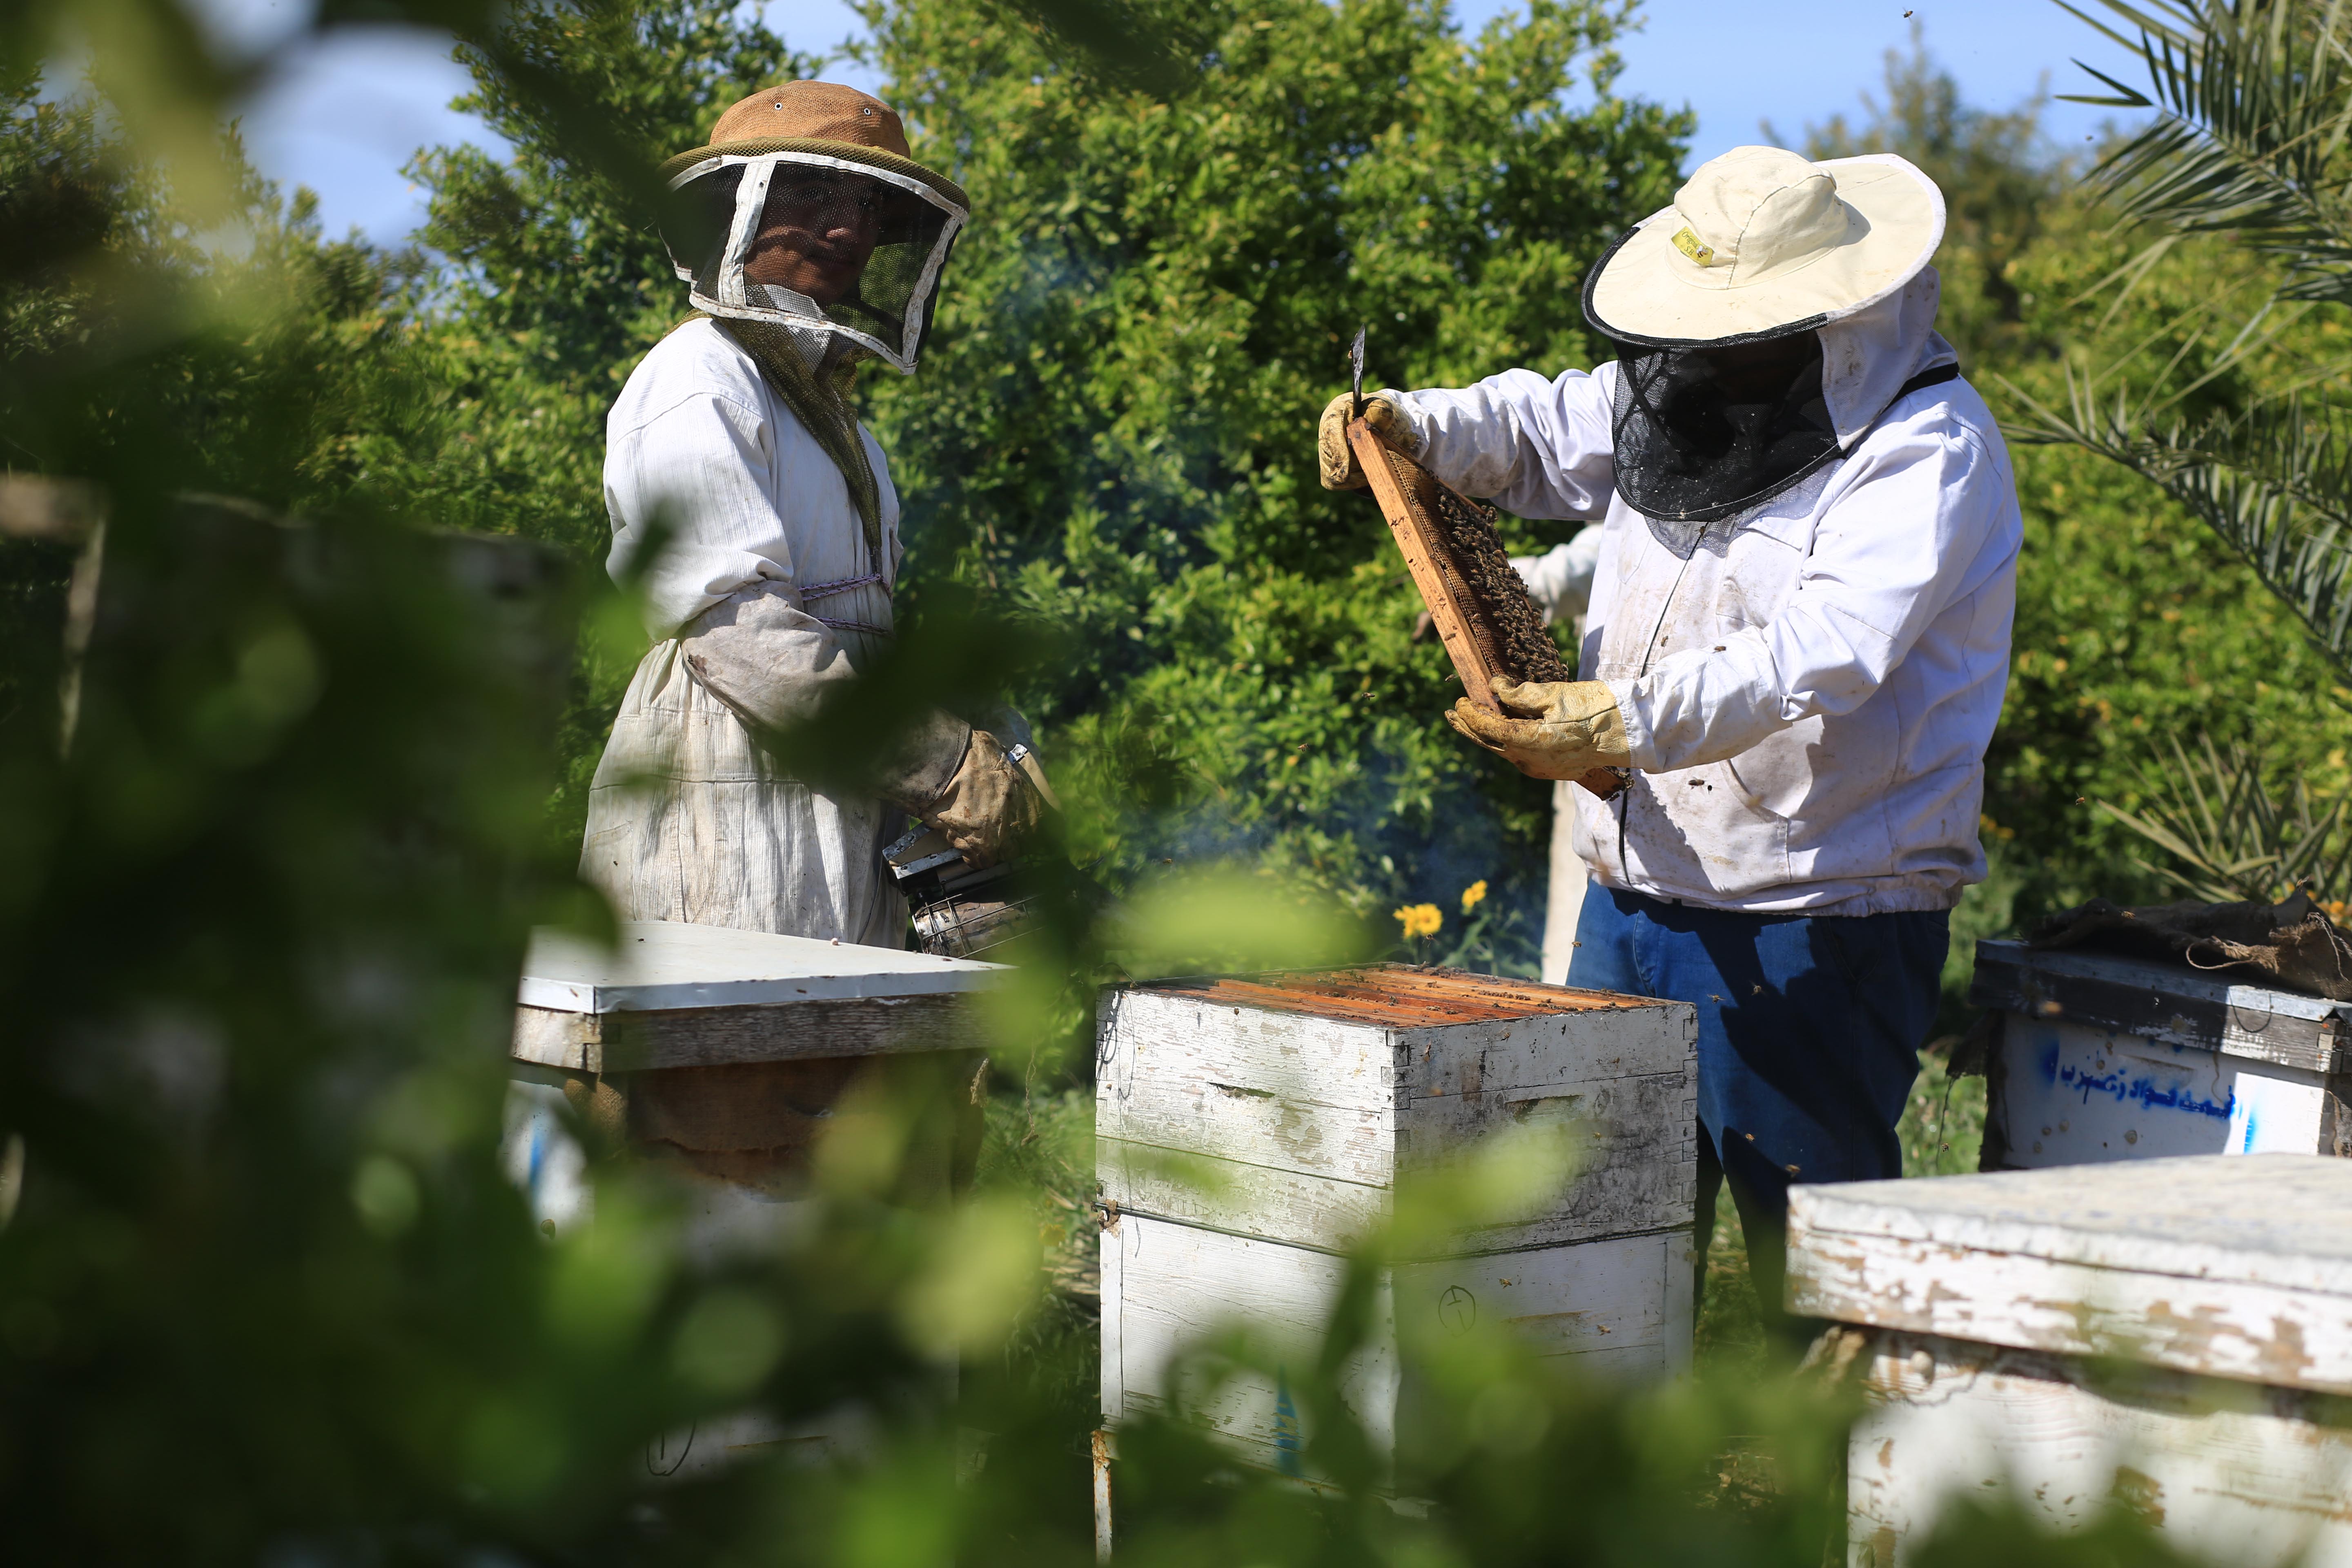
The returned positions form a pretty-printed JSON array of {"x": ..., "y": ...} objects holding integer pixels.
[{"x": 2291, "y": 945}]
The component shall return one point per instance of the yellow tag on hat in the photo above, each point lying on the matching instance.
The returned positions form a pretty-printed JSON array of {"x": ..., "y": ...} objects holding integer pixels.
[{"x": 1687, "y": 242}]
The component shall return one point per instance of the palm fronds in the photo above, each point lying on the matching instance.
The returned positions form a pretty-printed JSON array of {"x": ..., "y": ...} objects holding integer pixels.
[
  {"x": 2232, "y": 839},
  {"x": 2274, "y": 481},
  {"x": 2255, "y": 101}
]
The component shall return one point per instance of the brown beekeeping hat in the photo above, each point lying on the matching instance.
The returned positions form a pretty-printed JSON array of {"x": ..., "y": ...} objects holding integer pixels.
[{"x": 821, "y": 117}]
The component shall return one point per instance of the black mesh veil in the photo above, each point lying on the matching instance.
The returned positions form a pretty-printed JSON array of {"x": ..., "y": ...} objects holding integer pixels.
[
  {"x": 725, "y": 200},
  {"x": 1696, "y": 441}
]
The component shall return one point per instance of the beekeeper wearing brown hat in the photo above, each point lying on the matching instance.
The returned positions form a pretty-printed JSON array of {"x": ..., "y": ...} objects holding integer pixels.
[
  {"x": 1797, "y": 640},
  {"x": 810, "y": 240}
]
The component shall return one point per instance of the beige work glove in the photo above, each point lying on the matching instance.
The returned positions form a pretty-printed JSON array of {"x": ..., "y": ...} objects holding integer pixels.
[
  {"x": 1384, "y": 415},
  {"x": 1548, "y": 728},
  {"x": 989, "y": 806}
]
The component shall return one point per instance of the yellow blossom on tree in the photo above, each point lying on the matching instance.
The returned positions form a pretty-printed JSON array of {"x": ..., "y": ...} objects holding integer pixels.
[
  {"x": 1420, "y": 920},
  {"x": 1473, "y": 895}
]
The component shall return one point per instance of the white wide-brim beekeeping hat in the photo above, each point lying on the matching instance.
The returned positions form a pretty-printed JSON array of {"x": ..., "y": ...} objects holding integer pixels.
[{"x": 1761, "y": 242}]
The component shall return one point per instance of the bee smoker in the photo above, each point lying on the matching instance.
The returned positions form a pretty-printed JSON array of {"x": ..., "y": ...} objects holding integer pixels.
[{"x": 961, "y": 912}]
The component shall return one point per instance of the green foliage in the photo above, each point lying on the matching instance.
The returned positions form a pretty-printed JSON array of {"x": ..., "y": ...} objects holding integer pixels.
[
  {"x": 2215, "y": 378},
  {"x": 2133, "y": 624},
  {"x": 2252, "y": 102},
  {"x": 263, "y": 1289},
  {"x": 1114, "y": 429},
  {"x": 2270, "y": 482},
  {"x": 555, "y": 284},
  {"x": 2214, "y": 814},
  {"x": 223, "y": 334},
  {"x": 262, "y": 926},
  {"x": 268, "y": 1295},
  {"x": 1112, "y": 433}
]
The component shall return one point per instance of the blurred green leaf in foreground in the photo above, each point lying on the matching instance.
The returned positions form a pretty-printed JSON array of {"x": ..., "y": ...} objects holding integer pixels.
[{"x": 274, "y": 761}]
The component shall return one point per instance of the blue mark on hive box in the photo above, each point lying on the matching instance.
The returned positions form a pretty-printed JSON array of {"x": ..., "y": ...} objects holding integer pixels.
[
  {"x": 2142, "y": 1090},
  {"x": 1286, "y": 1443}
]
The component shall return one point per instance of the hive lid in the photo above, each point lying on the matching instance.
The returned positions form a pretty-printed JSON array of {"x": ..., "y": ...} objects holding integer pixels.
[
  {"x": 2233, "y": 1266},
  {"x": 1396, "y": 995},
  {"x": 660, "y": 965},
  {"x": 2167, "y": 1002}
]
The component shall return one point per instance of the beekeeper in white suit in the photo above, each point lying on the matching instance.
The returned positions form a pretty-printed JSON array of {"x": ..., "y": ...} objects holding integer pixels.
[
  {"x": 1797, "y": 641},
  {"x": 810, "y": 241},
  {"x": 1560, "y": 582}
]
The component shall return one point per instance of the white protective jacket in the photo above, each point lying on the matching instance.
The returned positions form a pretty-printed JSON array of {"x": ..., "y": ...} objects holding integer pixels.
[
  {"x": 1808, "y": 695},
  {"x": 765, "y": 594}
]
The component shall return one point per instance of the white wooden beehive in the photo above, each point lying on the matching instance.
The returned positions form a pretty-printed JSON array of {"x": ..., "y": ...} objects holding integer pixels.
[
  {"x": 2100, "y": 1056},
  {"x": 1249, "y": 1130},
  {"x": 670, "y": 1001},
  {"x": 2174, "y": 1335}
]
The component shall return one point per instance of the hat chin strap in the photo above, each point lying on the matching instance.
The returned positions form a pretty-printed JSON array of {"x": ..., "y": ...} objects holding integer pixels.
[
  {"x": 742, "y": 228},
  {"x": 810, "y": 332}
]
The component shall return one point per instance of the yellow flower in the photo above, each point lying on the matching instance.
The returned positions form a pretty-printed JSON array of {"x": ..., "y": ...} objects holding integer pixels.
[
  {"x": 1420, "y": 920},
  {"x": 1473, "y": 894}
]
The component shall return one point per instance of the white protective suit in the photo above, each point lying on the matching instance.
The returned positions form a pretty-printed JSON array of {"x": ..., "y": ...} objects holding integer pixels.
[
  {"x": 1560, "y": 582},
  {"x": 1807, "y": 693},
  {"x": 765, "y": 594}
]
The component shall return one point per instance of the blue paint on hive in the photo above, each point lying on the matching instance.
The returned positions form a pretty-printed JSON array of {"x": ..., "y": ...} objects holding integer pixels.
[
  {"x": 2050, "y": 1063},
  {"x": 2145, "y": 1092},
  {"x": 1286, "y": 1428}
]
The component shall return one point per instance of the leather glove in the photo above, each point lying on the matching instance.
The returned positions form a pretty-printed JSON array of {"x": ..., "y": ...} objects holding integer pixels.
[
  {"x": 1384, "y": 415},
  {"x": 989, "y": 806},
  {"x": 1548, "y": 729}
]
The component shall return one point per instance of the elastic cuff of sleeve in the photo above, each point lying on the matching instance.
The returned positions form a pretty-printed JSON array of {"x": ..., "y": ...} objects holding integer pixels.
[{"x": 1641, "y": 746}]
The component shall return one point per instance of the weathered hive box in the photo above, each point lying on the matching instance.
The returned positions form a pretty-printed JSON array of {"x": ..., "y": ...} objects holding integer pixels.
[
  {"x": 728, "y": 1051},
  {"x": 1250, "y": 1130},
  {"x": 727, "y": 1054},
  {"x": 2175, "y": 1335},
  {"x": 2105, "y": 1057}
]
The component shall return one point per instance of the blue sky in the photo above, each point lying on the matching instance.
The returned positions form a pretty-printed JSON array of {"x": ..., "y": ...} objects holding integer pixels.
[{"x": 344, "y": 116}]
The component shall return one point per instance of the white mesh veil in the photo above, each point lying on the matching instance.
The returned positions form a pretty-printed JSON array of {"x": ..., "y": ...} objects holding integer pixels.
[{"x": 885, "y": 308}]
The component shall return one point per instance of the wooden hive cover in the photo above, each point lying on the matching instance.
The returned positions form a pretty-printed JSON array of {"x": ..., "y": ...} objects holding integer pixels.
[
  {"x": 2229, "y": 1266},
  {"x": 1397, "y": 995},
  {"x": 2167, "y": 1002},
  {"x": 661, "y": 966},
  {"x": 669, "y": 995}
]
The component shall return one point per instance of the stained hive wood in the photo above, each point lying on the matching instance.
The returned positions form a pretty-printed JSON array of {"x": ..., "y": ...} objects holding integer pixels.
[
  {"x": 1250, "y": 1130},
  {"x": 2174, "y": 1334}
]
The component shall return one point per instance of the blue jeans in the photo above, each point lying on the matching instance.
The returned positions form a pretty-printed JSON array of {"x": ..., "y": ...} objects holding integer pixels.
[{"x": 1809, "y": 1032}]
